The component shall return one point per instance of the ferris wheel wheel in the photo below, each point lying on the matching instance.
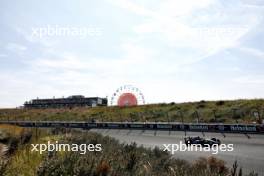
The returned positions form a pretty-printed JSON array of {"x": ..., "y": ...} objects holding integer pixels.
[{"x": 127, "y": 95}]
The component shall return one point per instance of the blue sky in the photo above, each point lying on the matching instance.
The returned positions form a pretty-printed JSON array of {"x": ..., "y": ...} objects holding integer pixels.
[{"x": 172, "y": 50}]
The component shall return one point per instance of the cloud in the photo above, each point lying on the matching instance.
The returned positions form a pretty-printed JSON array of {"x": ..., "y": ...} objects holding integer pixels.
[
  {"x": 28, "y": 36},
  {"x": 250, "y": 79},
  {"x": 157, "y": 46},
  {"x": 167, "y": 8},
  {"x": 16, "y": 47},
  {"x": 131, "y": 57},
  {"x": 3, "y": 55},
  {"x": 205, "y": 27},
  {"x": 252, "y": 51},
  {"x": 256, "y": 3}
]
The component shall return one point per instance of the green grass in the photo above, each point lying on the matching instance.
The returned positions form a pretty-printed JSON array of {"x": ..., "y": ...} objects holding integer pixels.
[{"x": 223, "y": 111}]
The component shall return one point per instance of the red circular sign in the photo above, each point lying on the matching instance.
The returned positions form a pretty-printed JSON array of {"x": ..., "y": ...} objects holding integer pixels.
[
  {"x": 127, "y": 99},
  {"x": 127, "y": 95}
]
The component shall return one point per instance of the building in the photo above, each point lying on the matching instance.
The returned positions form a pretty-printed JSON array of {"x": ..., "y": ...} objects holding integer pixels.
[{"x": 72, "y": 101}]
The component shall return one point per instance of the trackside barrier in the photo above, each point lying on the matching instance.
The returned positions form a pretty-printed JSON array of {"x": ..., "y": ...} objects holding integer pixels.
[{"x": 220, "y": 128}]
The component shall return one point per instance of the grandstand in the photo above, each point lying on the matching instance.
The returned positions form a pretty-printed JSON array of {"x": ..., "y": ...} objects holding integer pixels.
[{"x": 71, "y": 101}]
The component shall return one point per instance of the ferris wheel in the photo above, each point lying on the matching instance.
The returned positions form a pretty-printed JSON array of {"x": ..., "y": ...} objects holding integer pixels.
[{"x": 127, "y": 95}]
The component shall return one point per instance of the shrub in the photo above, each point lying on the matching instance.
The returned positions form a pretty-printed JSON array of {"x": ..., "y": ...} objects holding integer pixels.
[
  {"x": 220, "y": 103},
  {"x": 126, "y": 159}
]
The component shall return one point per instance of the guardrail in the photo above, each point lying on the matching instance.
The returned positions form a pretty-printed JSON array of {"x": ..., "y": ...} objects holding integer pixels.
[{"x": 200, "y": 127}]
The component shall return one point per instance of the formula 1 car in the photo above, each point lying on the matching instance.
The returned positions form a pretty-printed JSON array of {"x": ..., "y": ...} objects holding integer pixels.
[{"x": 201, "y": 141}]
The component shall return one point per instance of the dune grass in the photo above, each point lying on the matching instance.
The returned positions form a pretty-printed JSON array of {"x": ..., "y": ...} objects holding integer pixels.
[
  {"x": 206, "y": 111},
  {"x": 114, "y": 159}
]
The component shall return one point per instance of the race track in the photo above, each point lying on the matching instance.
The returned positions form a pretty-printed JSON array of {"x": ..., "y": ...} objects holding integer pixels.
[{"x": 248, "y": 149}]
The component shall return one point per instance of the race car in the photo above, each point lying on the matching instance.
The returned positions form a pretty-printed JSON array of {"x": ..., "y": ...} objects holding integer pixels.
[{"x": 201, "y": 141}]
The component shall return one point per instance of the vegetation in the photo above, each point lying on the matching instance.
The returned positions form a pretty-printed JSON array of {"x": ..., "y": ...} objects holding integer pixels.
[
  {"x": 11, "y": 137},
  {"x": 204, "y": 111},
  {"x": 115, "y": 159}
]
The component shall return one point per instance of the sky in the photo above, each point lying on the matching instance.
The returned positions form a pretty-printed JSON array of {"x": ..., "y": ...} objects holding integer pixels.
[{"x": 172, "y": 50}]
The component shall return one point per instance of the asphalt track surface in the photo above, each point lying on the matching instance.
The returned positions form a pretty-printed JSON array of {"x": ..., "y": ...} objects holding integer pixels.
[{"x": 248, "y": 149}]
